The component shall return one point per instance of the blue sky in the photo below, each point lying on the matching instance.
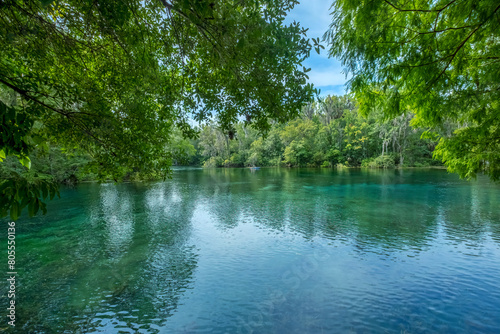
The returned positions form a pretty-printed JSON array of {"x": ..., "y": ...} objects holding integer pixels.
[{"x": 326, "y": 73}]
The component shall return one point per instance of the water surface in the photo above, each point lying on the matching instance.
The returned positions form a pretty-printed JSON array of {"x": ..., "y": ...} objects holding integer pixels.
[{"x": 267, "y": 251}]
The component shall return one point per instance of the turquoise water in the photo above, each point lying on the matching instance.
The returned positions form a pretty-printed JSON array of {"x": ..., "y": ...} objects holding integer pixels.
[{"x": 266, "y": 251}]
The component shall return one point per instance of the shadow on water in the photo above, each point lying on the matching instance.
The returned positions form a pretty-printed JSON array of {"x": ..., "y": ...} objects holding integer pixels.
[{"x": 206, "y": 250}]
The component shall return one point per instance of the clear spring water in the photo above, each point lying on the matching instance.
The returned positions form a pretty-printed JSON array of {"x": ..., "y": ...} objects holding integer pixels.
[{"x": 266, "y": 251}]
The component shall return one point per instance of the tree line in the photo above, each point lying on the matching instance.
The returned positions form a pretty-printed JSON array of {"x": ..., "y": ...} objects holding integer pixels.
[
  {"x": 69, "y": 80},
  {"x": 328, "y": 133}
]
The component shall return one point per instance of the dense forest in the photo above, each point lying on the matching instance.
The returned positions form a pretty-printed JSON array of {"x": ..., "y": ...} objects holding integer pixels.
[
  {"x": 223, "y": 84},
  {"x": 329, "y": 133}
]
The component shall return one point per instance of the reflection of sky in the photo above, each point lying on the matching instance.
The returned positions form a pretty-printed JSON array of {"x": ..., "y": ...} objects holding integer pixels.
[
  {"x": 257, "y": 268},
  {"x": 117, "y": 211},
  {"x": 154, "y": 201},
  {"x": 276, "y": 251},
  {"x": 326, "y": 74}
]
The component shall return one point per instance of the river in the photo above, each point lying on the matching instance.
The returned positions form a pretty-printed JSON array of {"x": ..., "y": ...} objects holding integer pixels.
[{"x": 264, "y": 251}]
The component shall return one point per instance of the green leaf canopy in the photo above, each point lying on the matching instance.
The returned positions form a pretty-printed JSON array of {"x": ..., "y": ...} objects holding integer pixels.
[
  {"x": 439, "y": 59},
  {"x": 113, "y": 77}
]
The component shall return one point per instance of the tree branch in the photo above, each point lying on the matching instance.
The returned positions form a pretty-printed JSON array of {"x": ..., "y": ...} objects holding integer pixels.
[
  {"x": 419, "y": 10},
  {"x": 66, "y": 114},
  {"x": 461, "y": 46}
]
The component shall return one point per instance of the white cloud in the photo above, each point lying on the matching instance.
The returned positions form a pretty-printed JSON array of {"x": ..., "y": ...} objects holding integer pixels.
[{"x": 330, "y": 76}]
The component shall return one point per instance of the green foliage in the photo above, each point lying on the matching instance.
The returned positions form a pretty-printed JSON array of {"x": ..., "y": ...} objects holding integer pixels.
[
  {"x": 20, "y": 192},
  {"x": 327, "y": 133},
  {"x": 437, "y": 59},
  {"x": 181, "y": 149},
  {"x": 466, "y": 153},
  {"x": 383, "y": 161},
  {"x": 326, "y": 164},
  {"x": 296, "y": 153},
  {"x": 116, "y": 78},
  {"x": 213, "y": 162}
]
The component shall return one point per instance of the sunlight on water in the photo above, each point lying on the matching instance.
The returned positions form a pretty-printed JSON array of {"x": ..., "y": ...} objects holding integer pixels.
[{"x": 273, "y": 251}]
